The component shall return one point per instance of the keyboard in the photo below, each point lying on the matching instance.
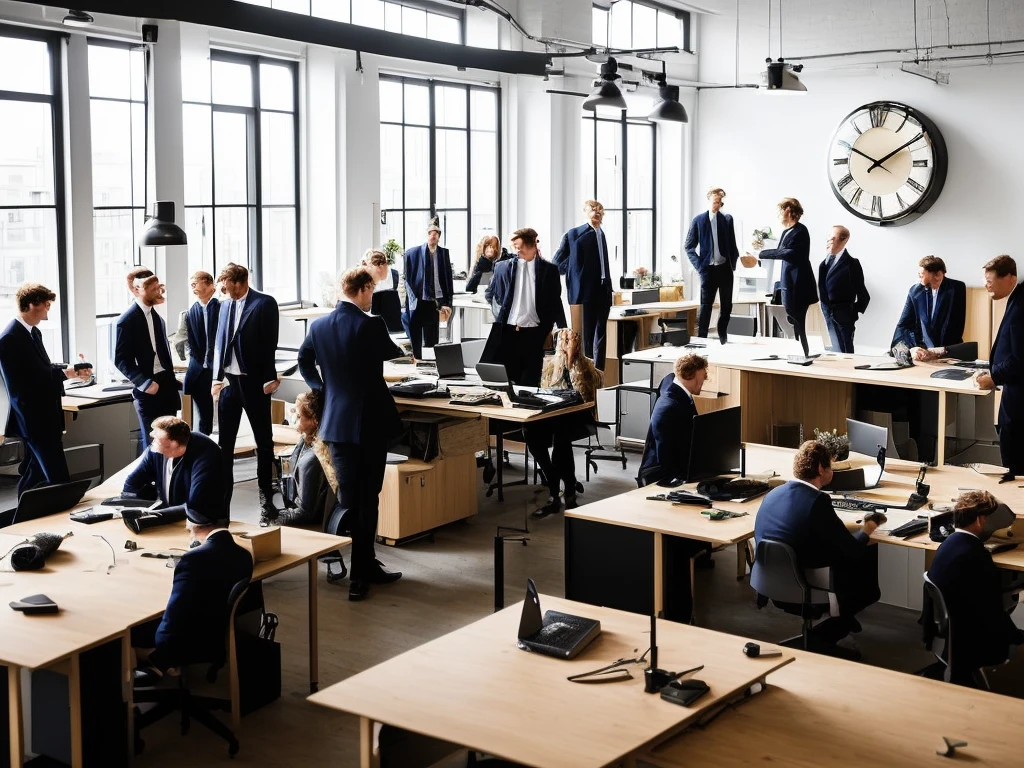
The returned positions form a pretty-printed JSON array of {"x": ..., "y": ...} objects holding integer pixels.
[
  {"x": 561, "y": 631},
  {"x": 910, "y": 528},
  {"x": 955, "y": 374}
]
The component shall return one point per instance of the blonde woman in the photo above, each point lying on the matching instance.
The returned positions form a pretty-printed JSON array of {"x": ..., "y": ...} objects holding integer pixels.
[
  {"x": 488, "y": 253},
  {"x": 568, "y": 368},
  {"x": 313, "y": 490}
]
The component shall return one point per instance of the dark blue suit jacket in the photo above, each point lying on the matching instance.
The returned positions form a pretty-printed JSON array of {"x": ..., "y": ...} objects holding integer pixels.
[
  {"x": 34, "y": 385},
  {"x": 416, "y": 275},
  {"x": 501, "y": 292},
  {"x": 803, "y": 517},
  {"x": 197, "y": 480},
  {"x": 255, "y": 337},
  {"x": 200, "y": 347},
  {"x": 579, "y": 259},
  {"x": 667, "y": 450},
  {"x": 350, "y": 348},
  {"x": 945, "y": 326},
  {"x": 133, "y": 350},
  {"x": 794, "y": 251},
  {"x": 969, "y": 582},
  {"x": 194, "y": 625},
  {"x": 842, "y": 288},
  {"x": 1007, "y": 359},
  {"x": 700, "y": 234}
]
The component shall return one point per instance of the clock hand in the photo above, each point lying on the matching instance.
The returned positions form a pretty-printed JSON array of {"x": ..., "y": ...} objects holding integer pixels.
[
  {"x": 869, "y": 157},
  {"x": 878, "y": 163}
]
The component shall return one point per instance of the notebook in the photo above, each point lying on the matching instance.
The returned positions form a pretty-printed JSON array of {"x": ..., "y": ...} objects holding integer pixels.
[{"x": 556, "y": 634}]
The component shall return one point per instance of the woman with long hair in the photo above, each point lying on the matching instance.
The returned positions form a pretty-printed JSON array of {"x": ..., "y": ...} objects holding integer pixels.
[
  {"x": 312, "y": 491},
  {"x": 386, "y": 302},
  {"x": 488, "y": 253}
]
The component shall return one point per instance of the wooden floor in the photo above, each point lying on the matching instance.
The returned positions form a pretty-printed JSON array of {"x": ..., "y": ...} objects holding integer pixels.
[{"x": 448, "y": 582}]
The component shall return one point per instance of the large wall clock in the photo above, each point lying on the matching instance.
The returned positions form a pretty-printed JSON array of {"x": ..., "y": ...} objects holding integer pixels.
[{"x": 887, "y": 163}]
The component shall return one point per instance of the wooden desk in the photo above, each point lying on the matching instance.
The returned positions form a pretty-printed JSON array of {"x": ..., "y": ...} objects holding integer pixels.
[
  {"x": 98, "y": 605},
  {"x": 821, "y": 712},
  {"x": 109, "y": 419},
  {"x": 475, "y": 688}
]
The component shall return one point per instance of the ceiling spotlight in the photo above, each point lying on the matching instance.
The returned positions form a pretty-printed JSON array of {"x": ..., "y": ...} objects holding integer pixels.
[
  {"x": 667, "y": 109},
  {"x": 78, "y": 19},
  {"x": 780, "y": 77},
  {"x": 606, "y": 92},
  {"x": 160, "y": 229}
]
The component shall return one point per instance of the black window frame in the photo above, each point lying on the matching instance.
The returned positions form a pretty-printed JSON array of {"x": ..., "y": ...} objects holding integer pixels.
[{"x": 683, "y": 16}]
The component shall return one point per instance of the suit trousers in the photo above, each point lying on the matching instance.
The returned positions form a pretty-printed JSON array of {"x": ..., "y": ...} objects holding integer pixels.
[
  {"x": 423, "y": 326},
  {"x": 840, "y": 330},
  {"x": 44, "y": 463},
  {"x": 595, "y": 329},
  {"x": 521, "y": 352},
  {"x": 797, "y": 314},
  {"x": 715, "y": 279},
  {"x": 360, "y": 470},
  {"x": 149, "y": 408},
  {"x": 203, "y": 401},
  {"x": 1011, "y": 450},
  {"x": 856, "y": 587},
  {"x": 560, "y": 464},
  {"x": 241, "y": 393}
]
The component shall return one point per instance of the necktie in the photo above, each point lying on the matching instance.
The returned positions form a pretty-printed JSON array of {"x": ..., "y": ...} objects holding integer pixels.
[
  {"x": 229, "y": 332},
  {"x": 163, "y": 347},
  {"x": 602, "y": 253},
  {"x": 37, "y": 339},
  {"x": 829, "y": 262},
  {"x": 428, "y": 277},
  {"x": 716, "y": 257},
  {"x": 931, "y": 304}
]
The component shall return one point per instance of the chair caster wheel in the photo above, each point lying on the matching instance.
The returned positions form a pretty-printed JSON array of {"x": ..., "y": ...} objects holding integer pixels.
[{"x": 233, "y": 749}]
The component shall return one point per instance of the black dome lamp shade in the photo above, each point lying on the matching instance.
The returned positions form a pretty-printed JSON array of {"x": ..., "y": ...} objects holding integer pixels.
[
  {"x": 160, "y": 229},
  {"x": 606, "y": 92},
  {"x": 667, "y": 109}
]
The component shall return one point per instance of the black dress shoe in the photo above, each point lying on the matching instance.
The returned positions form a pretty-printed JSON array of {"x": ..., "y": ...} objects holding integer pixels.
[
  {"x": 1009, "y": 477},
  {"x": 553, "y": 506},
  {"x": 489, "y": 472},
  {"x": 570, "y": 501},
  {"x": 358, "y": 590},
  {"x": 380, "y": 575}
]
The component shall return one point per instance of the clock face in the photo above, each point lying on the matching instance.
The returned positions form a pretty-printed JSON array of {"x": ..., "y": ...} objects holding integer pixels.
[{"x": 887, "y": 163}]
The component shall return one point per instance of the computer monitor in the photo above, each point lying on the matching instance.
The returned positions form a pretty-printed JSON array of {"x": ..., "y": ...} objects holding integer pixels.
[
  {"x": 866, "y": 438},
  {"x": 715, "y": 444},
  {"x": 646, "y": 296},
  {"x": 50, "y": 499},
  {"x": 449, "y": 361}
]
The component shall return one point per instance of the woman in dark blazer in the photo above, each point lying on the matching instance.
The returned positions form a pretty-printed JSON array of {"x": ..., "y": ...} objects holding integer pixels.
[
  {"x": 488, "y": 253},
  {"x": 386, "y": 302},
  {"x": 311, "y": 494}
]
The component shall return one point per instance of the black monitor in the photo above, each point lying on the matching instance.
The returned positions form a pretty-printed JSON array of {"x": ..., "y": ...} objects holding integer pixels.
[
  {"x": 645, "y": 296},
  {"x": 715, "y": 444}
]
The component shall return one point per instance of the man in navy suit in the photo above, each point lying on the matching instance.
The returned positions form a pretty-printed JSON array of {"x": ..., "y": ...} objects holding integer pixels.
[
  {"x": 667, "y": 449},
  {"x": 714, "y": 232},
  {"x": 526, "y": 294},
  {"x": 582, "y": 257},
  {"x": 194, "y": 624},
  {"x": 182, "y": 468},
  {"x": 245, "y": 377},
  {"x": 799, "y": 292},
  {"x": 201, "y": 338},
  {"x": 359, "y": 419},
  {"x": 1007, "y": 364},
  {"x": 935, "y": 311},
  {"x": 842, "y": 291},
  {"x": 801, "y": 515},
  {"x": 34, "y": 388},
  {"x": 143, "y": 355},
  {"x": 428, "y": 290}
]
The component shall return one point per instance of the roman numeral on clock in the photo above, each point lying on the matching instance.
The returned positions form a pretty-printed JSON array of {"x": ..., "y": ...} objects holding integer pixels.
[
  {"x": 915, "y": 186},
  {"x": 845, "y": 145},
  {"x": 844, "y": 182},
  {"x": 840, "y": 161},
  {"x": 901, "y": 202},
  {"x": 876, "y": 206},
  {"x": 920, "y": 163},
  {"x": 855, "y": 200},
  {"x": 878, "y": 116}
]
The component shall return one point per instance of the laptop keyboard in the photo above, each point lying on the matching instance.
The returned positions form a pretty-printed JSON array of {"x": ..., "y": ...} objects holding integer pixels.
[{"x": 561, "y": 630}]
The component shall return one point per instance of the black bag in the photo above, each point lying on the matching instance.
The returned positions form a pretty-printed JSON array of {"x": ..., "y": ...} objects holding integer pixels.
[{"x": 259, "y": 671}]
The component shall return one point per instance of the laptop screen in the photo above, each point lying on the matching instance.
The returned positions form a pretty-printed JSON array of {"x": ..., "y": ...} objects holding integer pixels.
[{"x": 449, "y": 360}]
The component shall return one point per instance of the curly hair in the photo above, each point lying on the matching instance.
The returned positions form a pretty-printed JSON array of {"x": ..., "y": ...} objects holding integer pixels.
[
  {"x": 810, "y": 459},
  {"x": 971, "y": 505}
]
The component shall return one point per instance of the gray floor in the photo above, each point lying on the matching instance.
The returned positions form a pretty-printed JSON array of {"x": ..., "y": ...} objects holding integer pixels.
[{"x": 448, "y": 583}]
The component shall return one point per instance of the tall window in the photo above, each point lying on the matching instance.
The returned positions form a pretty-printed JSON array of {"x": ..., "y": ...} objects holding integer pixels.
[
  {"x": 628, "y": 24},
  {"x": 439, "y": 150},
  {"x": 32, "y": 219},
  {"x": 621, "y": 175},
  {"x": 241, "y": 170}
]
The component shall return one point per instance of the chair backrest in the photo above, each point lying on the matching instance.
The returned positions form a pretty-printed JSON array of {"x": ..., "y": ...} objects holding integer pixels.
[
  {"x": 940, "y": 621},
  {"x": 473, "y": 349},
  {"x": 778, "y": 314},
  {"x": 743, "y": 325},
  {"x": 234, "y": 599},
  {"x": 776, "y": 574},
  {"x": 85, "y": 462}
]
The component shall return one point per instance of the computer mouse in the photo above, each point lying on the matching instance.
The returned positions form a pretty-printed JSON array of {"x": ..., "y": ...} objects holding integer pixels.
[{"x": 671, "y": 482}]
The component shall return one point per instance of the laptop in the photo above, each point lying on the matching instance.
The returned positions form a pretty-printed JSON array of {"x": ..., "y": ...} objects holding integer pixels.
[
  {"x": 50, "y": 499},
  {"x": 448, "y": 358},
  {"x": 492, "y": 375},
  {"x": 556, "y": 634},
  {"x": 901, "y": 358}
]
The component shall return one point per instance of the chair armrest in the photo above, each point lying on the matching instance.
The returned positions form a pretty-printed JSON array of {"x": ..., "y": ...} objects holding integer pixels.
[{"x": 819, "y": 578}]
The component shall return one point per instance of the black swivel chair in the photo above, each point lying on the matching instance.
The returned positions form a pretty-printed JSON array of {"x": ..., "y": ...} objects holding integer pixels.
[
  {"x": 937, "y": 628},
  {"x": 86, "y": 462},
  {"x": 179, "y": 698},
  {"x": 742, "y": 325}
]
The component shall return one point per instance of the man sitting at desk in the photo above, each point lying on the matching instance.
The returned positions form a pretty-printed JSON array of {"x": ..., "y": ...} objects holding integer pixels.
[
  {"x": 799, "y": 514},
  {"x": 970, "y": 585},
  {"x": 935, "y": 311},
  {"x": 667, "y": 450},
  {"x": 182, "y": 468}
]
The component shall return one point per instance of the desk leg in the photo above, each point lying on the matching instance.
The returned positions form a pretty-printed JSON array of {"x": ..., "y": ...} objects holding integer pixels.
[
  {"x": 127, "y": 678},
  {"x": 499, "y": 441},
  {"x": 314, "y": 654},
  {"x": 75, "y": 700},
  {"x": 17, "y": 725},
  {"x": 367, "y": 759},
  {"x": 940, "y": 440},
  {"x": 659, "y": 575}
]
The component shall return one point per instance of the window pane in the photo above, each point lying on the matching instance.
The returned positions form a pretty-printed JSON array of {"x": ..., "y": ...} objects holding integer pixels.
[
  {"x": 231, "y": 236},
  {"x": 28, "y": 251},
  {"x": 587, "y": 159},
  {"x": 26, "y": 136},
  {"x": 393, "y": 227},
  {"x": 392, "y": 17},
  {"x": 232, "y": 83},
  {"x": 450, "y": 107},
  {"x": 645, "y": 27},
  {"x": 640, "y": 239},
  {"x": 451, "y": 180},
  {"x": 294, "y": 6},
  {"x": 391, "y": 166},
  {"x": 137, "y": 73},
  {"x": 669, "y": 30},
  {"x": 484, "y": 179},
  {"x": 612, "y": 226},
  {"x": 114, "y": 235},
  {"x": 417, "y": 104},
  {"x": 277, "y": 87},
  {"x": 198, "y": 160},
  {"x": 483, "y": 110},
  {"x": 24, "y": 65},
  {"x": 279, "y": 255},
  {"x": 609, "y": 165},
  {"x": 198, "y": 226},
  {"x": 622, "y": 25},
  {"x": 417, "y": 168},
  {"x": 231, "y": 163},
  {"x": 444, "y": 29},
  {"x": 390, "y": 101},
  {"x": 600, "y": 23},
  {"x": 369, "y": 13},
  {"x": 336, "y": 10},
  {"x": 278, "y": 150},
  {"x": 138, "y": 154},
  {"x": 416, "y": 228},
  {"x": 414, "y": 21},
  {"x": 109, "y": 72},
  {"x": 454, "y": 237},
  {"x": 640, "y": 175},
  {"x": 195, "y": 75},
  {"x": 111, "y": 153}
]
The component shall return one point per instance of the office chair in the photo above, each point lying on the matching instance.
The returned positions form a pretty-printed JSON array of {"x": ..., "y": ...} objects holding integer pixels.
[
  {"x": 594, "y": 449},
  {"x": 327, "y": 502},
  {"x": 775, "y": 576},
  {"x": 742, "y": 325},
  {"x": 181, "y": 699},
  {"x": 936, "y": 622},
  {"x": 85, "y": 462},
  {"x": 777, "y": 313}
]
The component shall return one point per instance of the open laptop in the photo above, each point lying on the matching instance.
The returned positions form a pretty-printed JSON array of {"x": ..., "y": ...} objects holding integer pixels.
[
  {"x": 901, "y": 358},
  {"x": 556, "y": 634},
  {"x": 448, "y": 358},
  {"x": 492, "y": 375},
  {"x": 50, "y": 499}
]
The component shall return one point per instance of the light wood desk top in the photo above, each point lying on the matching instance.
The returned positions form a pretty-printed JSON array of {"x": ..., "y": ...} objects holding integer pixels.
[
  {"x": 474, "y": 687},
  {"x": 821, "y": 712},
  {"x": 305, "y": 313}
]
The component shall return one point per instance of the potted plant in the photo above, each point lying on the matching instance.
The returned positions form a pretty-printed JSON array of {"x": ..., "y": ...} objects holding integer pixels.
[
  {"x": 838, "y": 445},
  {"x": 641, "y": 276},
  {"x": 757, "y": 241},
  {"x": 391, "y": 249}
]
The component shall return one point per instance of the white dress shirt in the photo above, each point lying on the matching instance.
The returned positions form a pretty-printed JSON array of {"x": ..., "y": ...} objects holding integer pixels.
[
  {"x": 809, "y": 485},
  {"x": 438, "y": 292},
  {"x": 935, "y": 300},
  {"x": 168, "y": 471},
  {"x": 148, "y": 313},
  {"x": 231, "y": 364},
  {"x": 524, "y": 302},
  {"x": 206, "y": 330},
  {"x": 24, "y": 324},
  {"x": 600, "y": 252}
]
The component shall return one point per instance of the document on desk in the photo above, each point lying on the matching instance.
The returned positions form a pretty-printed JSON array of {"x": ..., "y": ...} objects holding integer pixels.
[{"x": 99, "y": 392}]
